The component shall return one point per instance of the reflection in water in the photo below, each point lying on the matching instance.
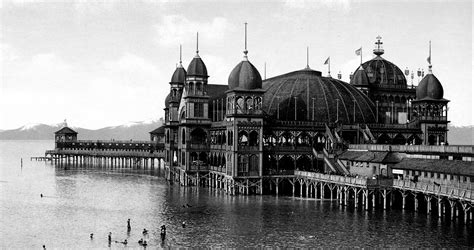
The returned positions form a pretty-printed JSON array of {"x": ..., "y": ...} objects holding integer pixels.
[{"x": 81, "y": 201}]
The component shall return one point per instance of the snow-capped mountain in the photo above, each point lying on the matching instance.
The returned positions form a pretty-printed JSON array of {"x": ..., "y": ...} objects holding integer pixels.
[{"x": 37, "y": 131}]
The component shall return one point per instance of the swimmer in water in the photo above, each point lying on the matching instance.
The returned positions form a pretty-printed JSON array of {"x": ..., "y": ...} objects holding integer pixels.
[
  {"x": 41, "y": 195},
  {"x": 145, "y": 231},
  {"x": 184, "y": 224},
  {"x": 92, "y": 236}
]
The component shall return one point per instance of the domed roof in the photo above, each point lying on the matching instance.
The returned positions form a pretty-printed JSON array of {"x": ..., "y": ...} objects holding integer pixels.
[
  {"x": 245, "y": 76},
  {"x": 197, "y": 67},
  {"x": 179, "y": 75},
  {"x": 360, "y": 78},
  {"x": 308, "y": 87},
  {"x": 430, "y": 87},
  {"x": 381, "y": 72},
  {"x": 167, "y": 100}
]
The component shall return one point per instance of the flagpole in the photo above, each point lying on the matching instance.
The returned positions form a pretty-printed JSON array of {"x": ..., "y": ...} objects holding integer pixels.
[{"x": 360, "y": 55}]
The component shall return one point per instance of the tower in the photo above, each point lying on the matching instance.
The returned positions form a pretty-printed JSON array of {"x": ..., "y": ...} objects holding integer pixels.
[
  {"x": 244, "y": 119},
  {"x": 171, "y": 111},
  {"x": 431, "y": 109},
  {"x": 194, "y": 121}
]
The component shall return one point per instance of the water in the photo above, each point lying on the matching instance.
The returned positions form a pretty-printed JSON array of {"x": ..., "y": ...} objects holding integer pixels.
[{"x": 78, "y": 202}]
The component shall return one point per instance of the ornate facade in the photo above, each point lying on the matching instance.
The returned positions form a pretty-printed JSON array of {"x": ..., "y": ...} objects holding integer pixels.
[{"x": 250, "y": 128}]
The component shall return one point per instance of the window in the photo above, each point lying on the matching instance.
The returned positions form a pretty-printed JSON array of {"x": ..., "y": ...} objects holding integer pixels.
[{"x": 198, "y": 109}]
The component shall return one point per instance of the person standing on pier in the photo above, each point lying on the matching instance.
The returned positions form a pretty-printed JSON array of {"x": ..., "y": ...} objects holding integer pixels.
[
  {"x": 110, "y": 237},
  {"x": 128, "y": 225}
]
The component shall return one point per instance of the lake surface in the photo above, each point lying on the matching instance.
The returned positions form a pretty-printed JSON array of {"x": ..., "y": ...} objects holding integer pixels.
[{"x": 81, "y": 201}]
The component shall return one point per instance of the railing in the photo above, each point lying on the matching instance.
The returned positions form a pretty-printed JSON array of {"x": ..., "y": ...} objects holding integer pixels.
[
  {"x": 119, "y": 153},
  {"x": 432, "y": 118},
  {"x": 345, "y": 180},
  {"x": 300, "y": 148},
  {"x": 103, "y": 145},
  {"x": 415, "y": 148},
  {"x": 203, "y": 167},
  {"x": 301, "y": 123},
  {"x": 197, "y": 146},
  {"x": 248, "y": 148},
  {"x": 279, "y": 172},
  {"x": 464, "y": 192}
]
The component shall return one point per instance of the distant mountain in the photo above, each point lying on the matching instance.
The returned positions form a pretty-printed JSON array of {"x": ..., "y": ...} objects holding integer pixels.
[
  {"x": 139, "y": 131},
  {"x": 132, "y": 130}
]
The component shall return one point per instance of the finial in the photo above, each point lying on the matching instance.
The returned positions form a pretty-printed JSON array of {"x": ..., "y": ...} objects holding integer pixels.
[
  {"x": 197, "y": 43},
  {"x": 180, "y": 54},
  {"x": 378, "y": 50},
  {"x": 245, "y": 50},
  {"x": 429, "y": 61}
]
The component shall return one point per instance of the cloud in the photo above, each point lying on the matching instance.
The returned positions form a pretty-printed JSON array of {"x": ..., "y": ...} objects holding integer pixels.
[
  {"x": 341, "y": 5},
  {"x": 176, "y": 29},
  {"x": 45, "y": 88}
]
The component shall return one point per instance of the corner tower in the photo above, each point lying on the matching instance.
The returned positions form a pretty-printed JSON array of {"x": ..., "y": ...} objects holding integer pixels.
[
  {"x": 430, "y": 109},
  {"x": 171, "y": 112},
  {"x": 244, "y": 119},
  {"x": 194, "y": 121}
]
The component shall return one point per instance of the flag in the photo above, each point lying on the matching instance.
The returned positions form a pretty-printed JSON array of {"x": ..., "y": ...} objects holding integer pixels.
[
  {"x": 327, "y": 61},
  {"x": 429, "y": 59},
  {"x": 359, "y": 51}
]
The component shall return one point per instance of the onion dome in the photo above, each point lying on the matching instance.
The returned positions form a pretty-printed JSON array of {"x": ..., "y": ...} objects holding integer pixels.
[
  {"x": 245, "y": 76},
  {"x": 360, "y": 78},
  {"x": 197, "y": 67},
  {"x": 179, "y": 75},
  {"x": 167, "y": 100},
  {"x": 324, "y": 98},
  {"x": 429, "y": 88}
]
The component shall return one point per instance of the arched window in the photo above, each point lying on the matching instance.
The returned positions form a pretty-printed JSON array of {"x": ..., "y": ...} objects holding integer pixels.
[
  {"x": 242, "y": 164},
  {"x": 258, "y": 103},
  {"x": 198, "y": 136},
  {"x": 254, "y": 165},
  {"x": 243, "y": 138},
  {"x": 253, "y": 138},
  {"x": 240, "y": 105},
  {"x": 183, "y": 136},
  {"x": 248, "y": 104}
]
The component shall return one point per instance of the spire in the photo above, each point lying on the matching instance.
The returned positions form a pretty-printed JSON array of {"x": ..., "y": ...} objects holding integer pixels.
[
  {"x": 180, "y": 57},
  {"x": 265, "y": 71},
  {"x": 378, "y": 49},
  {"x": 307, "y": 58},
  {"x": 245, "y": 50},
  {"x": 197, "y": 44},
  {"x": 429, "y": 62}
]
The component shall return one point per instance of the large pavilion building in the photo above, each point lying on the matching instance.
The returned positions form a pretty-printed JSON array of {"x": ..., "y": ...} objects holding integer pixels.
[{"x": 251, "y": 128}]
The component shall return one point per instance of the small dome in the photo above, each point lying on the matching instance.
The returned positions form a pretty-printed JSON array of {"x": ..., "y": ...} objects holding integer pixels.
[
  {"x": 381, "y": 72},
  {"x": 316, "y": 96},
  {"x": 245, "y": 76},
  {"x": 179, "y": 75},
  {"x": 167, "y": 100},
  {"x": 197, "y": 67},
  {"x": 429, "y": 87},
  {"x": 360, "y": 78}
]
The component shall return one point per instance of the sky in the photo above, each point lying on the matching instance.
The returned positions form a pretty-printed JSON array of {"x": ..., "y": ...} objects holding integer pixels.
[{"x": 106, "y": 63}]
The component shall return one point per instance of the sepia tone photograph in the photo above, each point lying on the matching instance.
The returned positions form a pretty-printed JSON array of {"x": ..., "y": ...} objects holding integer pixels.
[{"x": 236, "y": 124}]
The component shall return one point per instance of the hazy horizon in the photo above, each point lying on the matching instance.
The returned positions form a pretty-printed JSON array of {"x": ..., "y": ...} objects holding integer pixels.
[{"x": 106, "y": 63}]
